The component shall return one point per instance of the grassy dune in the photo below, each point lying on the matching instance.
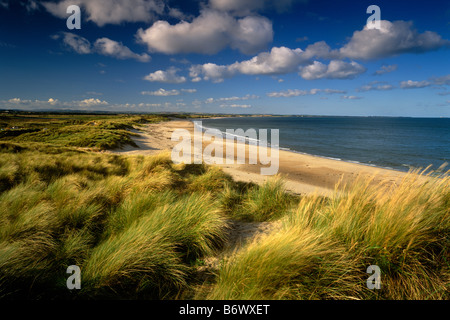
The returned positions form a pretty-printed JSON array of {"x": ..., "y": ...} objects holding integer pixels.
[
  {"x": 324, "y": 246},
  {"x": 141, "y": 227}
]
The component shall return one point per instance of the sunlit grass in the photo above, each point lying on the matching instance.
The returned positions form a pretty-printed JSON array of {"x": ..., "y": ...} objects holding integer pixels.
[
  {"x": 140, "y": 226},
  {"x": 325, "y": 245}
]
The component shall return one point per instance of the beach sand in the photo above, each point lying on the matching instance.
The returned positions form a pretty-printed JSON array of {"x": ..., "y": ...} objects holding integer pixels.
[{"x": 303, "y": 174}]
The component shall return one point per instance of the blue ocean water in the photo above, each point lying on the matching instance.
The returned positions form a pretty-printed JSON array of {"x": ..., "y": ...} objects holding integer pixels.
[{"x": 396, "y": 143}]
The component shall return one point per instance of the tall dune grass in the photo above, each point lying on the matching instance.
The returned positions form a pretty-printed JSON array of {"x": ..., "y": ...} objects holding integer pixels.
[
  {"x": 325, "y": 245},
  {"x": 266, "y": 202},
  {"x": 123, "y": 220},
  {"x": 138, "y": 226}
]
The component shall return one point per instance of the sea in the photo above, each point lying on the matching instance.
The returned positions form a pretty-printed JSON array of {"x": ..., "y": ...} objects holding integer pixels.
[{"x": 387, "y": 142}]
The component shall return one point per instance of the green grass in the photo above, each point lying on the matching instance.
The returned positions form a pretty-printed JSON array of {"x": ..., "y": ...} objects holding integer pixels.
[
  {"x": 324, "y": 246},
  {"x": 116, "y": 217},
  {"x": 141, "y": 227},
  {"x": 98, "y": 132}
]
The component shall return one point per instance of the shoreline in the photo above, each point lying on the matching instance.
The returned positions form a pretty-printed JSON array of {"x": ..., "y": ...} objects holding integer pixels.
[
  {"x": 313, "y": 155},
  {"x": 303, "y": 173}
]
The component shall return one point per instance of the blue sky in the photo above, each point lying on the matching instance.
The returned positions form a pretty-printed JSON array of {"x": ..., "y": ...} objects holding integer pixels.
[{"x": 227, "y": 56}]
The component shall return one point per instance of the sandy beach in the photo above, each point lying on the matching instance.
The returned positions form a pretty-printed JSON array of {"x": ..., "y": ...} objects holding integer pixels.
[{"x": 303, "y": 174}]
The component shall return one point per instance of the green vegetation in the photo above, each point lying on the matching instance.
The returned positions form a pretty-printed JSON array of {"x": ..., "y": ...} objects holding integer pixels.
[
  {"x": 324, "y": 246},
  {"x": 97, "y": 132},
  {"x": 142, "y": 227}
]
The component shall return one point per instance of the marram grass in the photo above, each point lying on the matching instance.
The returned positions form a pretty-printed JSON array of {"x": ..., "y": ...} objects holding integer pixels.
[
  {"x": 138, "y": 227},
  {"x": 325, "y": 245}
]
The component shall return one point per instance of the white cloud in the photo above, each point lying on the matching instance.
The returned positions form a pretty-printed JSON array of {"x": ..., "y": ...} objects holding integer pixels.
[
  {"x": 166, "y": 93},
  {"x": 280, "y": 60},
  {"x": 391, "y": 39},
  {"x": 86, "y": 104},
  {"x": 168, "y": 76},
  {"x": 410, "y": 84},
  {"x": 234, "y": 98},
  {"x": 51, "y": 102},
  {"x": 77, "y": 43},
  {"x": 336, "y": 69},
  {"x": 103, "y": 46},
  {"x": 210, "y": 72},
  {"x": 320, "y": 50},
  {"x": 208, "y": 33},
  {"x": 296, "y": 92},
  {"x": 161, "y": 93},
  {"x": 19, "y": 101},
  {"x": 244, "y": 106},
  {"x": 92, "y": 102},
  {"x": 386, "y": 69},
  {"x": 288, "y": 93},
  {"x": 108, "y": 47},
  {"x": 149, "y": 105},
  {"x": 103, "y": 12}
]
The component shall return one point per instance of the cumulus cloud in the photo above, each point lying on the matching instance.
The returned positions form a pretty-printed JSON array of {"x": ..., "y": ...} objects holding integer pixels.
[
  {"x": 168, "y": 76},
  {"x": 336, "y": 69},
  {"x": 108, "y": 47},
  {"x": 280, "y": 60},
  {"x": 410, "y": 84},
  {"x": 321, "y": 50},
  {"x": 210, "y": 72},
  {"x": 391, "y": 39},
  {"x": 103, "y": 46},
  {"x": 208, "y": 33},
  {"x": 19, "y": 101},
  {"x": 92, "y": 102},
  {"x": 103, "y": 12}
]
